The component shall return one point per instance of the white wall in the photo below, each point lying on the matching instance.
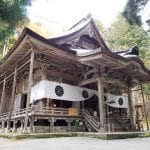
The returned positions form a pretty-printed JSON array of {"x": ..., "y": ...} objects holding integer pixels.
[
  {"x": 46, "y": 89},
  {"x": 115, "y": 100}
]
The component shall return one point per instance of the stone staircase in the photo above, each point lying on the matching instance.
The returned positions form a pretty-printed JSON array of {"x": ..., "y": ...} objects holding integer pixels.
[{"x": 90, "y": 122}]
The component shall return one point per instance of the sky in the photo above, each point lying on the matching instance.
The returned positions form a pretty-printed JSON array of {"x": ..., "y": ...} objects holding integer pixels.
[{"x": 68, "y": 12}]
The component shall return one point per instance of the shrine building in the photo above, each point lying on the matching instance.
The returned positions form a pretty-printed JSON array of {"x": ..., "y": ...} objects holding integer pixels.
[{"x": 71, "y": 82}]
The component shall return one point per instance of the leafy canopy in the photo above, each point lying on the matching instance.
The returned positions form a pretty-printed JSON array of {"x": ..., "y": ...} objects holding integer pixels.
[
  {"x": 132, "y": 11},
  {"x": 12, "y": 12}
]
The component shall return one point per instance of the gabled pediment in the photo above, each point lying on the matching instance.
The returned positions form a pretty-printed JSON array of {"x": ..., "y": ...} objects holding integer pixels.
[{"x": 83, "y": 35}]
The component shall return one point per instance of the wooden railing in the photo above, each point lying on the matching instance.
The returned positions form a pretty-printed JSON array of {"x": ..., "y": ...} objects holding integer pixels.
[
  {"x": 42, "y": 111},
  {"x": 14, "y": 114},
  {"x": 50, "y": 111}
]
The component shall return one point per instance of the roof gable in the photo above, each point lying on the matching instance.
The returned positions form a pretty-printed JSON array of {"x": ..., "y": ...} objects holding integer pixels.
[{"x": 83, "y": 35}]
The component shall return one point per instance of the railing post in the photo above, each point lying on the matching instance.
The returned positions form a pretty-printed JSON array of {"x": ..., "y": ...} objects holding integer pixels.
[
  {"x": 3, "y": 125},
  {"x": 52, "y": 120}
]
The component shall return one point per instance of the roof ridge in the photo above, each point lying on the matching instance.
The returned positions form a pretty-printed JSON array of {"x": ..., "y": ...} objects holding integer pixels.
[{"x": 88, "y": 16}]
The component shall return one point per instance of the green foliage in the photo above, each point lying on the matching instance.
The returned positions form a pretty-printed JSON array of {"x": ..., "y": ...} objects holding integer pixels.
[
  {"x": 121, "y": 36},
  {"x": 12, "y": 12},
  {"x": 132, "y": 10}
]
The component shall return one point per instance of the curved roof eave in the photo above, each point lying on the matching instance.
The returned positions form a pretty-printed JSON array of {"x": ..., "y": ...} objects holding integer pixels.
[
  {"x": 116, "y": 56},
  {"x": 27, "y": 31}
]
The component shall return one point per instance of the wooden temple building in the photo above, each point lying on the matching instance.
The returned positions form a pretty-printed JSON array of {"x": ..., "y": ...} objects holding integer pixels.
[{"x": 72, "y": 82}]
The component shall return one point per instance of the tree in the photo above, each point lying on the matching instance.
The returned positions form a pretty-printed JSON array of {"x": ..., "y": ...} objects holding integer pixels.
[
  {"x": 121, "y": 36},
  {"x": 12, "y": 12},
  {"x": 132, "y": 11}
]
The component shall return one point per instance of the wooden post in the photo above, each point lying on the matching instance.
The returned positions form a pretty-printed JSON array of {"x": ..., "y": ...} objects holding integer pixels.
[
  {"x": 133, "y": 106},
  {"x": 22, "y": 124},
  {"x": 69, "y": 125},
  {"x": 3, "y": 95},
  {"x": 12, "y": 98},
  {"x": 101, "y": 103},
  {"x": 47, "y": 103},
  {"x": 14, "y": 126},
  {"x": 31, "y": 123},
  {"x": 131, "y": 111},
  {"x": 29, "y": 90},
  {"x": 52, "y": 120},
  {"x": 144, "y": 106},
  {"x": 3, "y": 125}
]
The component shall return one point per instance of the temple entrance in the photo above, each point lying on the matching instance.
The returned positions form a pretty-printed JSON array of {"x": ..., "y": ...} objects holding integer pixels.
[
  {"x": 92, "y": 103},
  {"x": 62, "y": 104},
  {"x": 23, "y": 101}
]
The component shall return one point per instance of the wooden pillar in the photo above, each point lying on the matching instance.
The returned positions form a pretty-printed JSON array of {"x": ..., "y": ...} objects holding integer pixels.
[
  {"x": 47, "y": 103},
  {"x": 69, "y": 125},
  {"x": 133, "y": 106},
  {"x": 52, "y": 120},
  {"x": 31, "y": 123},
  {"x": 131, "y": 109},
  {"x": 144, "y": 106},
  {"x": 29, "y": 90},
  {"x": 101, "y": 103},
  {"x": 14, "y": 126},
  {"x": 3, "y": 125},
  {"x": 22, "y": 124},
  {"x": 3, "y": 95},
  {"x": 12, "y": 98}
]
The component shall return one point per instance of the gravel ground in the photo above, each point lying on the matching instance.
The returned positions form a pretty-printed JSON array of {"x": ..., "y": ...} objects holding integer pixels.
[{"x": 75, "y": 143}]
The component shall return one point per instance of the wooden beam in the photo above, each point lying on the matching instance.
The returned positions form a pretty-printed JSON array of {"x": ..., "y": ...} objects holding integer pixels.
[
  {"x": 88, "y": 81},
  {"x": 90, "y": 64},
  {"x": 30, "y": 82},
  {"x": 89, "y": 72},
  {"x": 18, "y": 67},
  {"x": 10, "y": 75},
  {"x": 90, "y": 57},
  {"x": 114, "y": 82}
]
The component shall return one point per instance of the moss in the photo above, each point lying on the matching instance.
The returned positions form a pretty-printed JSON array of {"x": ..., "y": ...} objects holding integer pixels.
[
  {"x": 147, "y": 134},
  {"x": 105, "y": 136}
]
